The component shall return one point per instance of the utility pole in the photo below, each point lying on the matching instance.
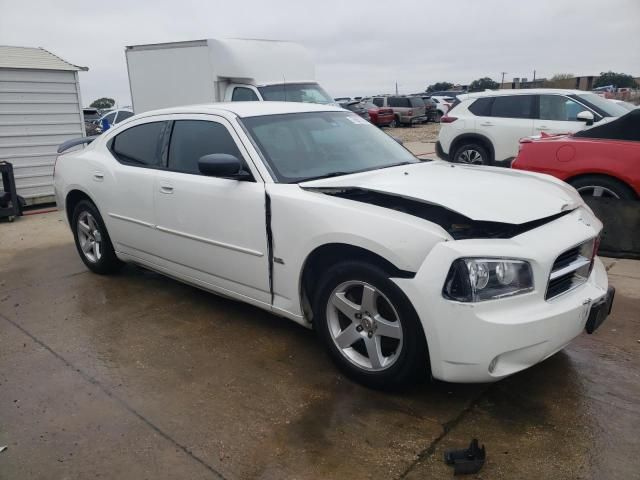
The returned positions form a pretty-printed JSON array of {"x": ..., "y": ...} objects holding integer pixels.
[
  {"x": 396, "y": 88},
  {"x": 503, "y": 74},
  {"x": 534, "y": 76}
]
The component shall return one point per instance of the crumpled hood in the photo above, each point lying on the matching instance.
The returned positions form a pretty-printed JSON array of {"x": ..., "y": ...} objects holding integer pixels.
[{"x": 481, "y": 193}]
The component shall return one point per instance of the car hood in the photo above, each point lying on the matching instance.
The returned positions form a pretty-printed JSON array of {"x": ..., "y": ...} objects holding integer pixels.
[{"x": 480, "y": 193}]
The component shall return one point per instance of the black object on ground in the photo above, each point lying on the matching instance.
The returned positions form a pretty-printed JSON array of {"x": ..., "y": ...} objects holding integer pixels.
[
  {"x": 466, "y": 460},
  {"x": 10, "y": 206}
]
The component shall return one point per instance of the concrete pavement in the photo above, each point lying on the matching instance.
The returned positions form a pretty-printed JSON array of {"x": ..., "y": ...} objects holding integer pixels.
[{"x": 138, "y": 376}]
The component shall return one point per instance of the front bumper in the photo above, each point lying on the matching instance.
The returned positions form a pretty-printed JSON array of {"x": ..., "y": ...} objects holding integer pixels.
[{"x": 487, "y": 341}]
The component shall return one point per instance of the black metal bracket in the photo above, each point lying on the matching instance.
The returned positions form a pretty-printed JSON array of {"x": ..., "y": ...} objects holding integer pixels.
[{"x": 467, "y": 460}]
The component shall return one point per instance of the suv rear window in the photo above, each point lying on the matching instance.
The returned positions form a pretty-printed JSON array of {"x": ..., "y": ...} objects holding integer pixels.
[
  {"x": 481, "y": 107},
  {"x": 378, "y": 102},
  {"x": 399, "y": 102},
  {"x": 513, "y": 106},
  {"x": 416, "y": 102}
]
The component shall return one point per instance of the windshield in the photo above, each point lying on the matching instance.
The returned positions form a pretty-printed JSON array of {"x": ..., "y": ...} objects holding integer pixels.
[
  {"x": 609, "y": 108},
  {"x": 295, "y": 92},
  {"x": 304, "y": 146}
]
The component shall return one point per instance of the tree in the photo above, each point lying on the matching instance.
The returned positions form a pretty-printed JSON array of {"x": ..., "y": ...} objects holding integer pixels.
[
  {"x": 439, "y": 86},
  {"x": 103, "y": 102},
  {"x": 619, "y": 80},
  {"x": 484, "y": 83}
]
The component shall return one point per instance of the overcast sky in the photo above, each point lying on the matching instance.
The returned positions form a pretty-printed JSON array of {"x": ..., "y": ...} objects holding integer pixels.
[{"x": 360, "y": 47}]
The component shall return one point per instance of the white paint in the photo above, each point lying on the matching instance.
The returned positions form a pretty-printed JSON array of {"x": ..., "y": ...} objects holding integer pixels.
[{"x": 211, "y": 214}]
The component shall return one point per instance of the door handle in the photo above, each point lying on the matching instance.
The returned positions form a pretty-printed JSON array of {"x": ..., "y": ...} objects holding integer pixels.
[
  {"x": 542, "y": 127},
  {"x": 98, "y": 176},
  {"x": 166, "y": 188},
  {"x": 487, "y": 124}
]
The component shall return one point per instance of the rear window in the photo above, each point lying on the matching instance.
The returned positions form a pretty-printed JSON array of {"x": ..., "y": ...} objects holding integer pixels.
[
  {"x": 513, "y": 106},
  {"x": 481, "y": 107},
  {"x": 399, "y": 102},
  {"x": 378, "y": 102},
  {"x": 416, "y": 102}
]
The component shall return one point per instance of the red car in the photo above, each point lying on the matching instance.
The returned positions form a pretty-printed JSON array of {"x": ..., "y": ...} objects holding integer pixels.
[
  {"x": 382, "y": 117},
  {"x": 601, "y": 161}
]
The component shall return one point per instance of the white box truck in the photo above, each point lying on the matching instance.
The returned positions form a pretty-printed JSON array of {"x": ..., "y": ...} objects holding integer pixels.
[{"x": 205, "y": 71}]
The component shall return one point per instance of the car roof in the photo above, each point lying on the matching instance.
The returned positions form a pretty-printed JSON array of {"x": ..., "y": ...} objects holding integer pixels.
[
  {"x": 521, "y": 91},
  {"x": 246, "y": 109}
]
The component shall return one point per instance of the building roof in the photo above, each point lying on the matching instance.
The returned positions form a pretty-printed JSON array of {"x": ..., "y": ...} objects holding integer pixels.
[{"x": 33, "y": 58}]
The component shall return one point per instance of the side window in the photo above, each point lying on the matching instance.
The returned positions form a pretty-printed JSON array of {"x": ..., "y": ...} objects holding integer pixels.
[
  {"x": 123, "y": 115},
  {"x": 378, "y": 102},
  {"x": 140, "y": 145},
  {"x": 558, "y": 107},
  {"x": 399, "y": 102},
  {"x": 192, "y": 139},
  {"x": 481, "y": 107},
  {"x": 513, "y": 106},
  {"x": 243, "y": 94}
]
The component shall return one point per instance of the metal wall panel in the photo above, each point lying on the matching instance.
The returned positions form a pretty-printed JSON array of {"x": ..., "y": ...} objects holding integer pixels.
[{"x": 39, "y": 109}]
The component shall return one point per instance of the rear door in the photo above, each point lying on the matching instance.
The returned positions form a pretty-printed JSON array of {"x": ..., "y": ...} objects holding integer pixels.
[
  {"x": 510, "y": 118},
  {"x": 125, "y": 191},
  {"x": 558, "y": 114},
  {"x": 212, "y": 229}
]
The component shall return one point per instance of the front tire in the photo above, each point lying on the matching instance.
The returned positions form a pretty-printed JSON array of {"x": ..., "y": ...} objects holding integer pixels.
[
  {"x": 369, "y": 326},
  {"x": 395, "y": 123},
  {"x": 92, "y": 239}
]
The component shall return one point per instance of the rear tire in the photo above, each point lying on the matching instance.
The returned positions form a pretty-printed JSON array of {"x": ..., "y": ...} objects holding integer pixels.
[
  {"x": 380, "y": 341},
  {"x": 603, "y": 187},
  {"x": 92, "y": 239},
  {"x": 471, "y": 154},
  {"x": 395, "y": 123}
]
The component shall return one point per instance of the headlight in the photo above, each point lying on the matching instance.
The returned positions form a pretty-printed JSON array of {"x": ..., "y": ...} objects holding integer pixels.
[{"x": 478, "y": 279}]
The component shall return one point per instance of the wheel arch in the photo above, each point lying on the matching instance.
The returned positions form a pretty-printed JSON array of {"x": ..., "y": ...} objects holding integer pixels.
[
  {"x": 476, "y": 137},
  {"x": 73, "y": 197},
  {"x": 327, "y": 255},
  {"x": 602, "y": 175}
]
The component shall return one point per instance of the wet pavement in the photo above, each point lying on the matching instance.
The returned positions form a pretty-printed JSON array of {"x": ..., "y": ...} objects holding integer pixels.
[{"x": 138, "y": 376}]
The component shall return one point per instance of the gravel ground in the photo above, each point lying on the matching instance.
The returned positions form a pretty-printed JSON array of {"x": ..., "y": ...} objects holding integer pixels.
[{"x": 427, "y": 133}]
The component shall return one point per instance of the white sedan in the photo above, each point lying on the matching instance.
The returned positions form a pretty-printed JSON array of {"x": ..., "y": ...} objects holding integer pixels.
[{"x": 404, "y": 268}]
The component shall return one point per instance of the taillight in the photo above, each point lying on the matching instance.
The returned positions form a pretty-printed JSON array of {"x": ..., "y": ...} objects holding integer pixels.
[{"x": 448, "y": 119}]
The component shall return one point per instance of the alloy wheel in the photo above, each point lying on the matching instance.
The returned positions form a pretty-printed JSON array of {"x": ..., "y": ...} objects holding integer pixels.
[
  {"x": 597, "y": 191},
  {"x": 89, "y": 237},
  {"x": 364, "y": 325},
  {"x": 470, "y": 156}
]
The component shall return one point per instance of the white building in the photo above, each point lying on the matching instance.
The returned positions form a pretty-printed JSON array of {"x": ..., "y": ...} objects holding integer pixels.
[{"x": 40, "y": 108}]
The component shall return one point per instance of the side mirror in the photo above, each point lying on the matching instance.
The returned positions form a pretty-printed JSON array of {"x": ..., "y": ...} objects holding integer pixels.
[
  {"x": 397, "y": 140},
  {"x": 222, "y": 165},
  {"x": 586, "y": 117}
]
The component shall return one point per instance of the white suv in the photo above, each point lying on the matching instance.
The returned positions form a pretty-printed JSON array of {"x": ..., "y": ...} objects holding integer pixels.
[{"x": 484, "y": 127}]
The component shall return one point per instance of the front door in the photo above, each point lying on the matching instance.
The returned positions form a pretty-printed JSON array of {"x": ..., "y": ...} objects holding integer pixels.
[
  {"x": 558, "y": 114},
  {"x": 212, "y": 230}
]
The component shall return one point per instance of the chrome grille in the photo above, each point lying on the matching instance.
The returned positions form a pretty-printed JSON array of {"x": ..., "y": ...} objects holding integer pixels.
[{"x": 570, "y": 270}]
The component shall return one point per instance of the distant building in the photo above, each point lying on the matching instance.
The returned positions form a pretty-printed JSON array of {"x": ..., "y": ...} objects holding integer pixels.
[{"x": 575, "y": 83}]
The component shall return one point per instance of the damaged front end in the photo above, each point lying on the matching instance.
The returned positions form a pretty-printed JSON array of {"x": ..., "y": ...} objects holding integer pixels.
[{"x": 459, "y": 226}]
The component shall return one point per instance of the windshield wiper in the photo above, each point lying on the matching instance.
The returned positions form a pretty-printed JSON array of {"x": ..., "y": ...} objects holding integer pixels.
[{"x": 327, "y": 175}]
